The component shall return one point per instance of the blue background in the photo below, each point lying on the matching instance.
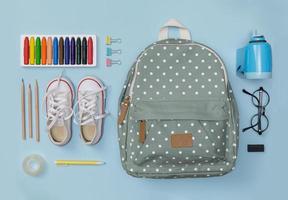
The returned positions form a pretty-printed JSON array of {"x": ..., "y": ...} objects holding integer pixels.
[{"x": 223, "y": 25}]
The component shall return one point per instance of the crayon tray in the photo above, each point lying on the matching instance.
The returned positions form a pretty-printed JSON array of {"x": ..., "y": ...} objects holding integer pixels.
[{"x": 65, "y": 53}]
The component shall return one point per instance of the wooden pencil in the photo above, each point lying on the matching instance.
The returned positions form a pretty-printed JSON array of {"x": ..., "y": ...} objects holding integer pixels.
[
  {"x": 23, "y": 110},
  {"x": 36, "y": 93}
]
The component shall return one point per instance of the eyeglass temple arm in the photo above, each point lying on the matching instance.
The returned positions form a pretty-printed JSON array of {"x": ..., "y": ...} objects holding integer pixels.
[
  {"x": 246, "y": 92},
  {"x": 249, "y": 127}
]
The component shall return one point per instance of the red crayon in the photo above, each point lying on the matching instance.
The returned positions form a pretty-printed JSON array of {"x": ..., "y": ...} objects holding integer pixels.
[
  {"x": 90, "y": 51},
  {"x": 26, "y": 51}
]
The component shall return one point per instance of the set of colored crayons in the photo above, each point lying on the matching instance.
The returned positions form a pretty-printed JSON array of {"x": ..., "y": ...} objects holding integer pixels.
[{"x": 58, "y": 50}]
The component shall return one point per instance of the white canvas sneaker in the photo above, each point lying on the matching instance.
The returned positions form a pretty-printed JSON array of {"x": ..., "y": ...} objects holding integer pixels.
[
  {"x": 91, "y": 109},
  {"x": 59, "y": 99}
]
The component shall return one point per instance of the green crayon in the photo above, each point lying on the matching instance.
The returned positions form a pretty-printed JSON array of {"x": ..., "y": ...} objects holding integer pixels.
[{"x": 38, "y": 51}]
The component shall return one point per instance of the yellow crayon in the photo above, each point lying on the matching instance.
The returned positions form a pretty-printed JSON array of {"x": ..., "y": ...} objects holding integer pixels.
[{"x": 32, "y": 51}]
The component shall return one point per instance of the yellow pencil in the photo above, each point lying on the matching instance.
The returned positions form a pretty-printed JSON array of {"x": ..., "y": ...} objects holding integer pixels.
[{"x": 79, "y": 162}]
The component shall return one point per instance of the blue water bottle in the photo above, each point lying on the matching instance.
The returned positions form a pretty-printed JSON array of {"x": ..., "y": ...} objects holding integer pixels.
[{"x": 254, "y": 61}]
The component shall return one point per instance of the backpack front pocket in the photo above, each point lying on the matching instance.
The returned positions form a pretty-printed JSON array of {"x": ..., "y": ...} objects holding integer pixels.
[{"x": 166, "y": 134}]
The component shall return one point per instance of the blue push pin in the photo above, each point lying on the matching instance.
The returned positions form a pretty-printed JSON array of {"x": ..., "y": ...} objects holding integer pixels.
[{"x": 110, "y": 52}]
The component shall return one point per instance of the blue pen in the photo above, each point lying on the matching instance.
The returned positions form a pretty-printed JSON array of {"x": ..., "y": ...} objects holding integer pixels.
[
  {"x": 67, "y": 51},
  {"x": 55, "y": 51}
]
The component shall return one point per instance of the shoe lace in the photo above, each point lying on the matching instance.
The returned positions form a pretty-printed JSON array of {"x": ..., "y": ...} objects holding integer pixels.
[
  {"x": 88, "y": 108},
  {"x": 57, "y": 107}
]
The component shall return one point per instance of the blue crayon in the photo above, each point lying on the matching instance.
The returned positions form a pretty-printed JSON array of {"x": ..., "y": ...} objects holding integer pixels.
[
  {"x": 72, "y": 53},
  {"x": 67, "y": 51},
  {"x": 55, "y": 51}
]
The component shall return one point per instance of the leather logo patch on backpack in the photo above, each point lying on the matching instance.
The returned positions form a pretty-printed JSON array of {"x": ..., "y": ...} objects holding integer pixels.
[{"x": 181, "y": 140}]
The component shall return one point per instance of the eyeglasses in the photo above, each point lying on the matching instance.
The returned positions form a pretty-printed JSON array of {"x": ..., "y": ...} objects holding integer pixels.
[{"x": 260, "y": 99}]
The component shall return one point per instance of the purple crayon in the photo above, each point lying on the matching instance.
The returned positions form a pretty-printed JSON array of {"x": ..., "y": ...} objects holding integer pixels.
[{"x": 72, "y": 51}]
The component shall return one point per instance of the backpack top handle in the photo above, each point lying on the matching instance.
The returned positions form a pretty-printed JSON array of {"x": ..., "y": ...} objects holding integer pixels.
[{"x": 183, "y": 31}]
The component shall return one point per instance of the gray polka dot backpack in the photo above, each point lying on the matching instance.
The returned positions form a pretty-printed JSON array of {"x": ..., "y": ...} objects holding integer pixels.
[{"x": 177, "y": 113}]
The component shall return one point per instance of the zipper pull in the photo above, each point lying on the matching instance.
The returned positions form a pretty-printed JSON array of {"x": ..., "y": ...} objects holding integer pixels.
[
  {"x": 123, "y": 109},
  {"x": 142, "y": 131}
]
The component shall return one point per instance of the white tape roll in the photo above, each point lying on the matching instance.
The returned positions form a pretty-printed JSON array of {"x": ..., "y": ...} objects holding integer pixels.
[{"x": 33, "y": 165}]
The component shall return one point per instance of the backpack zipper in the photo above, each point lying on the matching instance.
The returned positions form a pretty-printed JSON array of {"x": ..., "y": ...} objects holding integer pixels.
[
  {"x": 142, "y": 131},
  {"x": 123, "y": 110}
]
